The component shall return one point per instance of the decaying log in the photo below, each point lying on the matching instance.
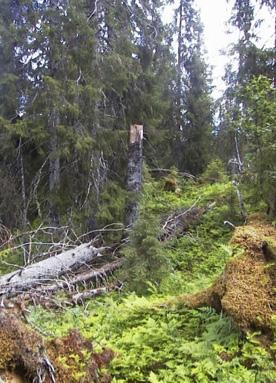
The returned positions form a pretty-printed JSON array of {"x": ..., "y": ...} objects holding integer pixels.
[
  {"x": 87, "y": 294},
  {"x": 177, "y": 223},
  {"x": 23, "y": 349},
  {"x": 80, "y": 297},
  {"x": 47, "y": 270},
  {"x": 65, "y": 271},
  {"x": 165, "y": 171},
  {"x": 91, "y": 275}
]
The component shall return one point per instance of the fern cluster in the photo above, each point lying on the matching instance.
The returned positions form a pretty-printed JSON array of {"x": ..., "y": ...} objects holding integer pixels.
[{"x": 159, "y": 343}]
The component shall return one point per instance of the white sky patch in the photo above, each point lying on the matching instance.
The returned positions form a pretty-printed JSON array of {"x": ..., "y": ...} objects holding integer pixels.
[{"x": 214, "y": 16}]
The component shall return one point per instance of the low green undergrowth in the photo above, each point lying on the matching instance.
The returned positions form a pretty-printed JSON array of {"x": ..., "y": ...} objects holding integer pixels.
[{"x": 157, "y": 342}]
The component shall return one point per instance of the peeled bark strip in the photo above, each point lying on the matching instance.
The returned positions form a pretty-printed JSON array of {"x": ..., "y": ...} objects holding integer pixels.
[
  {"x": 47, "y": 270},
  {"x": 134, "y": 172}
]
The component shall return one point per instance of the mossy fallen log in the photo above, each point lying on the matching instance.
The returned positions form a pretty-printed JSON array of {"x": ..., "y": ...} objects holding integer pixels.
[{"x": 246, "y": 289}]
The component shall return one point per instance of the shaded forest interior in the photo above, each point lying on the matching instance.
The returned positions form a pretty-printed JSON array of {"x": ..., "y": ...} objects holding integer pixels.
[{"x": 137, "y": 213}]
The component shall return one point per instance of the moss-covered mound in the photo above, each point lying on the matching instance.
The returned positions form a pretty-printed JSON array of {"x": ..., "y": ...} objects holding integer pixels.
[
  {"x": 246, "y": 288},
  {"x": 20, "y": 347},
  {"x": 26, "y": 357}
]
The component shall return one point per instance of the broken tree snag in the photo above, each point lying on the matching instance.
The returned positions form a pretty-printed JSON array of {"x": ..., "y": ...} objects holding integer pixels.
[
  {"x": 48, "y": 270},
  {"x": 134, "y": 172}
]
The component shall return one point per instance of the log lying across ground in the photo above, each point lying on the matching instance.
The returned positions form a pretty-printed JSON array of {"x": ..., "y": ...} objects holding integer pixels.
[
  {"x": 177, "y": 223},
  {"x": 48, "y": 270},
  {"x": 67, "y": 270}
]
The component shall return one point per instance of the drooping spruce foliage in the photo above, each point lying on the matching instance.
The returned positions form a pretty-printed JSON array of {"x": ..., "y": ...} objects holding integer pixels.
[
  {"x": 193, "y": 105},
  {"x": 74, "y": 76}
]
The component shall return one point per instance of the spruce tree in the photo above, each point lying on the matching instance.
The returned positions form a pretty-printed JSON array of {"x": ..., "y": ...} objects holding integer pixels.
[
  {"x": 79, "y": 73},
  {"x": 251, "y": 61},
  {"x": 193, "y": 114}
]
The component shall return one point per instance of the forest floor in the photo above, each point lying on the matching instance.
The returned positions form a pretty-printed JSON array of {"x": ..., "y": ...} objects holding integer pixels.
[{"x": 210, "y": 320}]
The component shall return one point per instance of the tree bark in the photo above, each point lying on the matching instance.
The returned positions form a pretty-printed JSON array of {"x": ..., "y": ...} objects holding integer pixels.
[
  {"x": 179, "y": 64},
  {"x": 54, "y": 168},
  {"x": 47, "y": 270},
  {"x": 134, "y": 173}
]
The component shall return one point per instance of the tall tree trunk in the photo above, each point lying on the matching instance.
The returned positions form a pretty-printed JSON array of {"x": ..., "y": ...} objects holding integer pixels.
[
  {"x": 23, "y": 185},
  {"x": 134, "y": 173},
  {"x": 54, "y": 168},
  {"x": 272, "y": 5},
  {"x": 179, "y": 62}
]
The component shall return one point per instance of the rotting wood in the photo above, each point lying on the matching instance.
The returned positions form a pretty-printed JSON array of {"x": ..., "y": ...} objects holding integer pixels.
[
  {"x": 177, "y": 223},
  {"x": 47, "y": 270},
  {"x": 29, "y": 357},
  {"x": 66, "y": 271},
  {"x": 181, "y": 174},
  {"x": 85, "y": 277},
  {"x": 80, "y": 297},
  {"x": 23, "y": 349}
]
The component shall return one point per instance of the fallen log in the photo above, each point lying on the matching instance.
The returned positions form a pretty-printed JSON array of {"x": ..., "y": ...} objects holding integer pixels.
[
  {"x": 88, "y": 276},
  {"x": 47, "y": 270},
  {"x": 62, "y": 271},
  {"x": 87, "y": 294},
  {"x": 177, "y": 223}
]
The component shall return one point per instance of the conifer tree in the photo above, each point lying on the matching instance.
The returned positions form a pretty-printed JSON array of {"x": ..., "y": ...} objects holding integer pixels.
[
  {"x": 79, "y": 72},
  {"x": 252, "y": 61},
  {"x": 193, "y": 115}
]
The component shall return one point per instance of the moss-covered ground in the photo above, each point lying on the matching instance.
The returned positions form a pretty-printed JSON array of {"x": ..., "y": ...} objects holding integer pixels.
[{"x": 157, "y": 338}]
